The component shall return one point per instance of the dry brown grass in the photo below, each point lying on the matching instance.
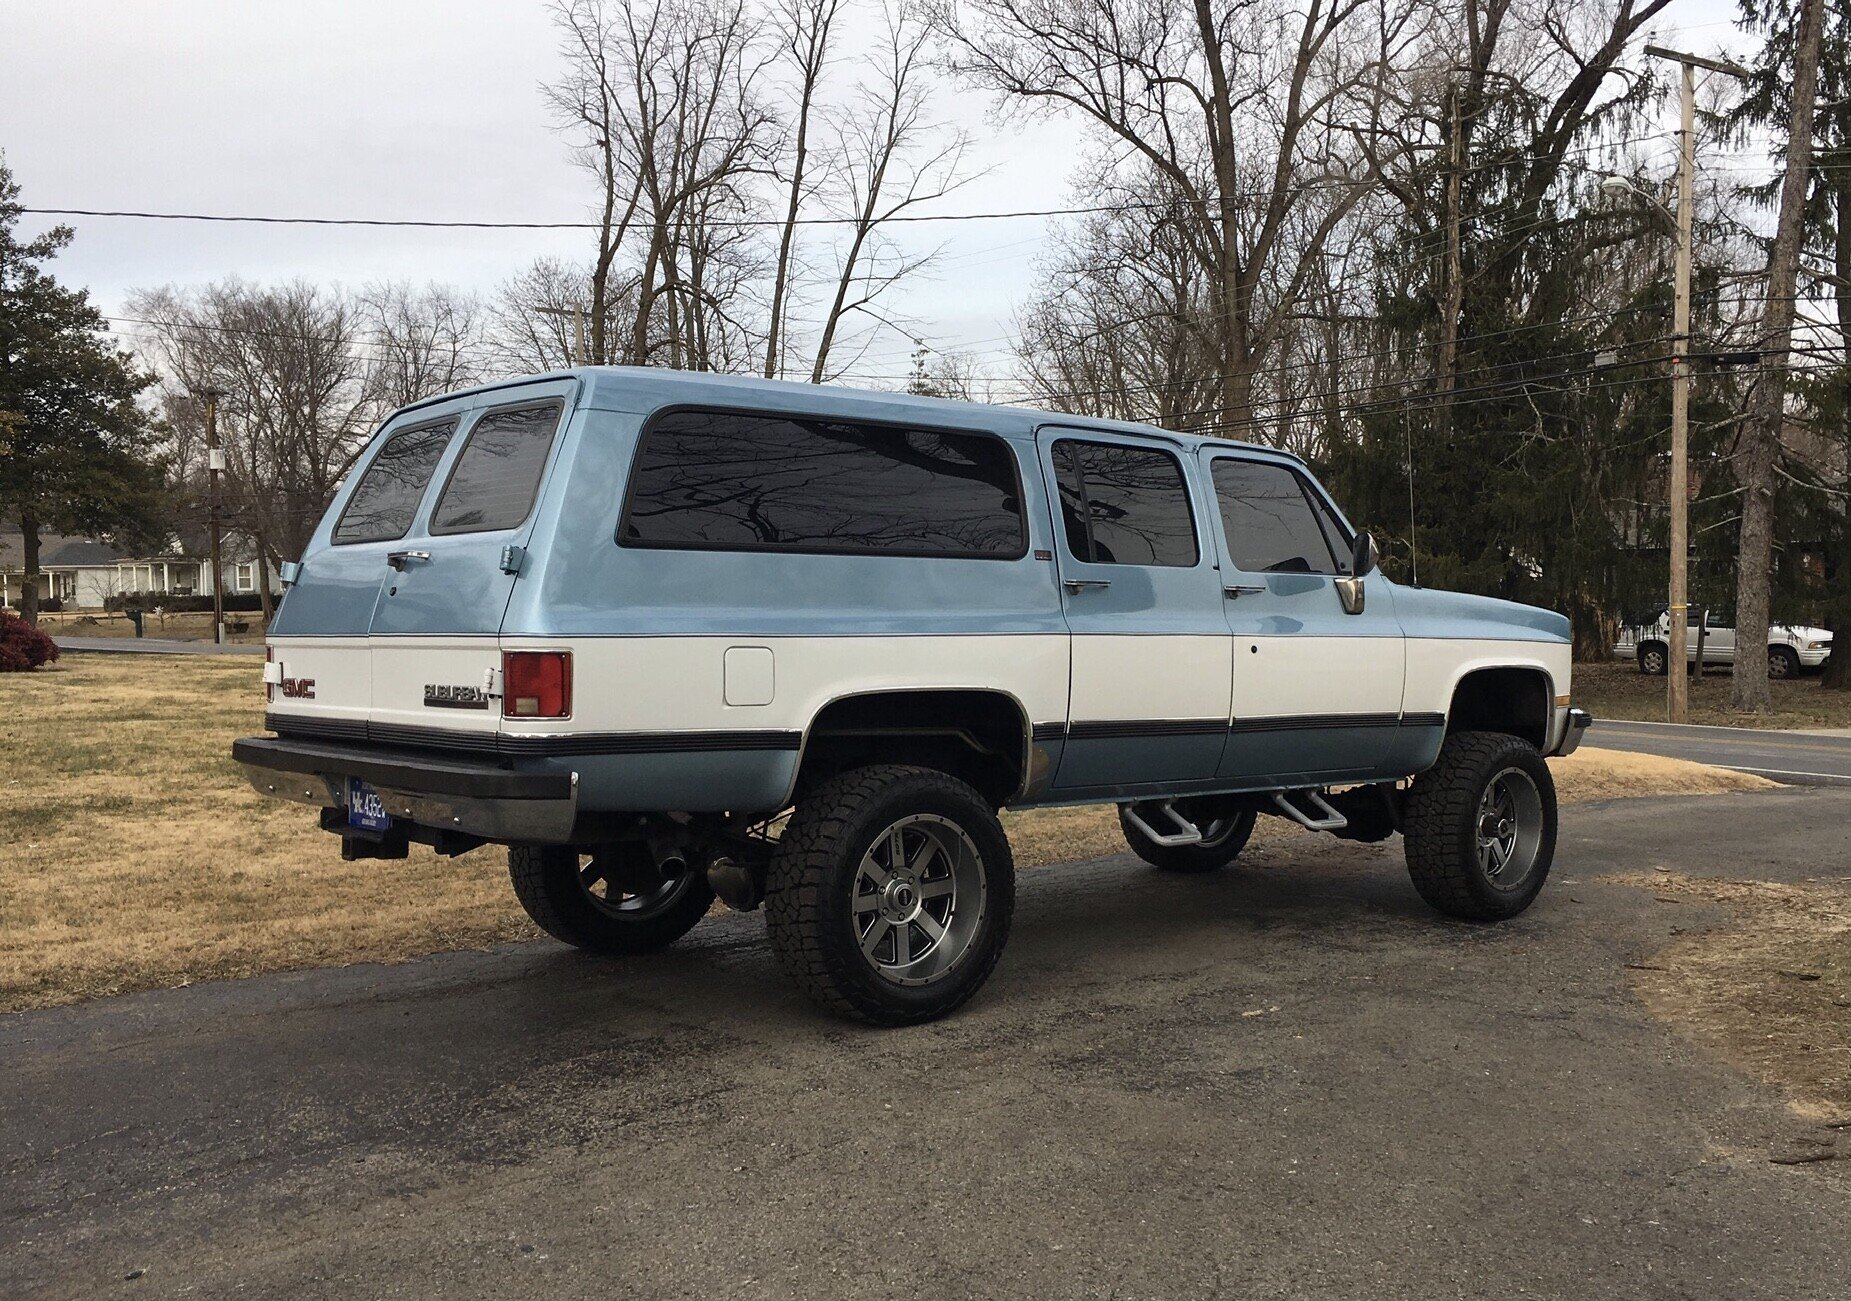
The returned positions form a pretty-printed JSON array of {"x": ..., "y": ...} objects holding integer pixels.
[
  {"x": 133, "y": 855},
  {"x": 191, "y": 626},
  {"x": 1771, "y": 990}
]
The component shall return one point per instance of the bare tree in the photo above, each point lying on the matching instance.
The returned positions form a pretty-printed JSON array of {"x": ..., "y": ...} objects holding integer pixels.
[
  {"x": 890, "y": 156},
  {"x": 531, "y": 317},
  {"x": 807, "y": 25},
  {"x": 420, "y": 342},
  {"x": 1249, "y": 113}
]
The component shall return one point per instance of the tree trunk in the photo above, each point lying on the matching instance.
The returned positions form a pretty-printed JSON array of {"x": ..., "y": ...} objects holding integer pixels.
[
  {"x": 1759, "y": 455},
  {"x": 29, "y": 585}
]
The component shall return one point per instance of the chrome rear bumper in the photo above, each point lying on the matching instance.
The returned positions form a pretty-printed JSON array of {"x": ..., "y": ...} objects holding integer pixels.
[{"x": 444, "y": 794}]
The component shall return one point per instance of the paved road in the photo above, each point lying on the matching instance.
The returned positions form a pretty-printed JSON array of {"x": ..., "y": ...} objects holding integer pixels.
[
  {"x": 155, "y": 646},
  {"x": 1285, "y": 1080},
  {"x": 1796, "y": 758}
]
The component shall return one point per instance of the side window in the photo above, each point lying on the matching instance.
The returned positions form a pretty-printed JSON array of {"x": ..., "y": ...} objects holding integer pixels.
[
  {"x": 744, "y": 481},
  {"x": 1124, "y": 505},
  {"x": 498, "y": 474},
  {"x": 381, "y": 507},
  {"x": 1274, "y": 523}
]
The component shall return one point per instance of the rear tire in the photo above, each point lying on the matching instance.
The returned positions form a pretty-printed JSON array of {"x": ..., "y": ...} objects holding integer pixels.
[
  {"x": 1480, "y": 827},
  {"x": 891, "y": 893},
  {"x": 613, "y": 901},
  {"x": 1222, "y": 840},
  {"x": 1653, "y": 658}
]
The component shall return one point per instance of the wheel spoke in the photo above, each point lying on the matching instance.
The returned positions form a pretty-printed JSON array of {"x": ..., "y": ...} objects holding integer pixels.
[
  {"x": 874, "y": 871},
  {"x": 929, "y": 924},
  {"x": 896, "y": 850},
  {"x": 937, "y": 889},
  {"x": 928, "y": 854},
  {"x": 867, "y": 903},
  {"x": 872, "y": 939},
  {"x": 902, "y": 944},
  {"x": 591, "y": 873}
]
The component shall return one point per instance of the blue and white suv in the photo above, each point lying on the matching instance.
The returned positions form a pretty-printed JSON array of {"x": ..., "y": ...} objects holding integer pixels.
[{"x": 669, "y": 636}]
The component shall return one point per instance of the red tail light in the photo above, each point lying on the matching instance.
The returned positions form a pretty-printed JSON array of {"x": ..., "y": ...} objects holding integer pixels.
[{"x": 536, "y": 684}]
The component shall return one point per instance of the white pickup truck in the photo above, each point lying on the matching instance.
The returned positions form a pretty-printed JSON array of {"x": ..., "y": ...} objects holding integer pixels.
[{"x": 1789, "y": 650}]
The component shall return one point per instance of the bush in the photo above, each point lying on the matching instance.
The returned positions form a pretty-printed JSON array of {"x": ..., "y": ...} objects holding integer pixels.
[
  {"x": 47, "y": 604},
  {"x": 22, "y": 646}
]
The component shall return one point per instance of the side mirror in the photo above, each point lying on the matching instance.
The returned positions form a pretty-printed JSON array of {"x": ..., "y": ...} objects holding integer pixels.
[{"x": 1364, "y": 557}]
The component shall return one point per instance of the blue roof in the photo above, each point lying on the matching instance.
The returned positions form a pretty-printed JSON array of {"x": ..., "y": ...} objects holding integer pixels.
[{"x": 644, "y": 388}]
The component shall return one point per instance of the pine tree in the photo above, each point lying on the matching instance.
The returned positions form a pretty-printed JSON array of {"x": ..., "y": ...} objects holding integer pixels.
[{"x": 77, "y": 450}]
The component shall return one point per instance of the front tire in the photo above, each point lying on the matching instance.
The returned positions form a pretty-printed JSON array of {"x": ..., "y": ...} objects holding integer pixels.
[
  {"x": 615, "y": 900},
  {"x": 1223, "y": 837},
  {"x": 1480, "y": 827},
  {"x": 1783, "y": 662},
  {"x": 1653, "y": 659},
  {"x": 891, "y": 894}
]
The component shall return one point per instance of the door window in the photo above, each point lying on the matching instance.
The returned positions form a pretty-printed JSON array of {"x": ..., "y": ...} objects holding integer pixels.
[
  {"x": 498, "y": 475},
  {"x": 1124, "y": 505},
  {"x": 387, "y": 497},
  {"x": 743, "y": 481},
  {"x": 1274, "y": 523}
]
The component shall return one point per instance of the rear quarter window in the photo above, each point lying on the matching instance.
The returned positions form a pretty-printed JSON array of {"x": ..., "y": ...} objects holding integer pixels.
[
  {"x": 743, "y": 481},
  {"x": 498, "y": 475},
  {"x": 387, "y": 497}
]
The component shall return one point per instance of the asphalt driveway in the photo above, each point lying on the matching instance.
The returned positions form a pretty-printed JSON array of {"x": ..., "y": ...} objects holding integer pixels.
[{"x": 1280, "y": 1082}]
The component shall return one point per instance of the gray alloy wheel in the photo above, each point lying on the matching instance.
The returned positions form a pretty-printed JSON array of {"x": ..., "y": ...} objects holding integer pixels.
[
  {"x": 1510, "y": 829},
  {"x": 627, "y": 887},
  {"x": 918, "y": 899},
  {"x": 1782, "y": 663},
  {"x": 1653, "y": 659}
]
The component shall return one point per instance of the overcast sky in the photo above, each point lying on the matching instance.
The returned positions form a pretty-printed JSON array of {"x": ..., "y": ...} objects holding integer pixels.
[{"x": 411, "y": 109}]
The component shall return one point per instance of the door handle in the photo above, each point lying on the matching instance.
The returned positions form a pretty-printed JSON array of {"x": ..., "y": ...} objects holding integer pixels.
[
  {"x": 399, "y": 559},
  {"x": 1081, "y": 584},
  {"x": 1238, "y": 590}
]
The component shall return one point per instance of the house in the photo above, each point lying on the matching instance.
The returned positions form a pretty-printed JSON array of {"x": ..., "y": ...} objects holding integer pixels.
[{"x": 84, "y": 574}]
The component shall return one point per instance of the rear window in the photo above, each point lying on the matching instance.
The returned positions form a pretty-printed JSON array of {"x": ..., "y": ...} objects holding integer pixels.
[
  {"x": 498, "y": 474},
  {"x": 741, "y": 481},
  {"x": 387, "y": 497},
  {"x": 1124, "y": 505}
]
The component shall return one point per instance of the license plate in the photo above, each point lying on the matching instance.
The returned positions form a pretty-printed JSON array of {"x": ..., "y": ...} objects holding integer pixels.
[{"x": 364, "y": 807}]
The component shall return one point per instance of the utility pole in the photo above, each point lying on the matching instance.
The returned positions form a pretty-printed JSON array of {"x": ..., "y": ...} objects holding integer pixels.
[
  {"x": 580, "y": 357},
  {"x": 215, "y": 467},
  {"x": 1677, "y": 681}
]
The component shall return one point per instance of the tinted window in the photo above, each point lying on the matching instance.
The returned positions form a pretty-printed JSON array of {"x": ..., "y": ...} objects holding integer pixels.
[
  {"x": 738, "y": 481},
  {"x": 1274, "y": 523},
  {"x": 382, "y": 506},
  {"x": 1124, "y": 505},
  {"x": 496, "y": 477}
]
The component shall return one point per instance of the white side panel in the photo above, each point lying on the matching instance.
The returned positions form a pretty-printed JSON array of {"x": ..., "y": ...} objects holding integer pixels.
[
  {"x": 1297, "y": 675},
  {"x": 340, "y": 669},
  {"x": 672, "y": 684},
  {"x": 1156, "y": 677},
  {"x": 1435, "y": 666}
]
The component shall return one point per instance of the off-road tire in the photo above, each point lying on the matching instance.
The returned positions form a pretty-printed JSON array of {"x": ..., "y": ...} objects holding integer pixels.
[
  {"x": 1654, "y": 659},
  {"x": 810, "y": 889},
  {"x": 1441, "y": 826},
  {"x": 1191, "y": 858},
  {"x": 1783, "y": 663},
  {"x": 546, "y": 881}
]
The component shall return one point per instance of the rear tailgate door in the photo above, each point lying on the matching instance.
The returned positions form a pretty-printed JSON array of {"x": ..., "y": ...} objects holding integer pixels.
[{"x": 436, "y": 625}]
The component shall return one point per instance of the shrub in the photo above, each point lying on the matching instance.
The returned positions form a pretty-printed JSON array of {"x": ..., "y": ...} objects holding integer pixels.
[
  {"x": 175, "y": 604},
  {"x": 47, "y": 604},
  {"x": 22, "y": 646}
]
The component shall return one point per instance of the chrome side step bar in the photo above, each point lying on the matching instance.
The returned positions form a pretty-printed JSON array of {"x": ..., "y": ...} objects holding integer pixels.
[
  {"x": 1187, "y": 833},
  {"x": 1330, "y": 821}
]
